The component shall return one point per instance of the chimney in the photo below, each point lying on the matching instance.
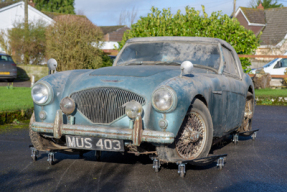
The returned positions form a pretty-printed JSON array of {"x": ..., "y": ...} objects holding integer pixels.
[
  {"x": 260, "y": 6},
  {"x": 31, "y": 3}
]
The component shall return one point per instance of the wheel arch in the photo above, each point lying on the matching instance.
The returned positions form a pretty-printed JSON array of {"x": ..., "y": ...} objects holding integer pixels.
[{"x": 201, "y": 98}]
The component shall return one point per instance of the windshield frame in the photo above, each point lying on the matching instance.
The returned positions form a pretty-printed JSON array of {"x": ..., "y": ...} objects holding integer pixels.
[{"x": 177, "y": 41}]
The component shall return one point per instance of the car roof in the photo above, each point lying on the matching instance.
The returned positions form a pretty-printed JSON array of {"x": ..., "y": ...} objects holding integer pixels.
[{"x": 4, "y": 54}]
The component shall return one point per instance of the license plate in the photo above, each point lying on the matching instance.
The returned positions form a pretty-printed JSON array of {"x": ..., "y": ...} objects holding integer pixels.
[
  {"x": 4, "y": 73},
  {"x": 94, "y": 143}
]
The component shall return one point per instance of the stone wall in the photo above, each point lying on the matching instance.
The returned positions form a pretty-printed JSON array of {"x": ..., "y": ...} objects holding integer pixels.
[{"x": 25, "y": 72}]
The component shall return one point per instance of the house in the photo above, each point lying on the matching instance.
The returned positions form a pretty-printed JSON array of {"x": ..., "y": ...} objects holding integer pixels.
[
  {"x": 112, "y": 35},
  {"x": 11, "y": 13},
  {"x": 271, "y": 22}
]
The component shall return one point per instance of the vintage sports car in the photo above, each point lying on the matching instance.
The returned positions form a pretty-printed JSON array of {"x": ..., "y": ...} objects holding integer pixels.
[{"x": 166, "y": 96}]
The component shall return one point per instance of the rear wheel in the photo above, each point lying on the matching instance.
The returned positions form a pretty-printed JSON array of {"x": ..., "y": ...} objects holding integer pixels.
[
  {"x": 248, "y": 113},
  {"x": 194, "y": 137}
]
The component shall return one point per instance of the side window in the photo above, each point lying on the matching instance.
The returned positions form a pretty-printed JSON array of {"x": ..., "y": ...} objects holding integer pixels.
[
  {"x": 284, "y": 62},
  {"x": 230, "y": 64}
]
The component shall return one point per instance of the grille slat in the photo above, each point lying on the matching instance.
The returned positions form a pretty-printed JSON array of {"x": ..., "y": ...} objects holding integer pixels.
[{"x": 104, "y": 104}]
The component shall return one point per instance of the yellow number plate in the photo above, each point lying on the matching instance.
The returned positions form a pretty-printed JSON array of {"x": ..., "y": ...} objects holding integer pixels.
[{"x": 4, "y": 73}]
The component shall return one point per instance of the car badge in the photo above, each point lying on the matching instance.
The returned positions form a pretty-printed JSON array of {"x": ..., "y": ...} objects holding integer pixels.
[{"x": 112, "y": 81}]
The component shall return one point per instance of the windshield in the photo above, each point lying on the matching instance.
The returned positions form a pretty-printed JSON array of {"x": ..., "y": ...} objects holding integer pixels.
[
  {"x": 170, "y": 53},
  {"x": 270, "y": 63}
]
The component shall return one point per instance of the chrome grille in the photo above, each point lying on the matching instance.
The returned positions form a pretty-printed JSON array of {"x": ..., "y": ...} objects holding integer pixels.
[{"x": 104, "y": 104}]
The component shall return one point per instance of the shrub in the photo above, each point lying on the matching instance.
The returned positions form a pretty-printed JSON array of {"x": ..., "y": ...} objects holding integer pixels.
[
  {"x": 217, "y": 25},
  {"x": 27, "y": 45},
  {"x": 285, "y": 79},
  {"x": 73, "y": 41},
  {"x": 107, "y": 61}
]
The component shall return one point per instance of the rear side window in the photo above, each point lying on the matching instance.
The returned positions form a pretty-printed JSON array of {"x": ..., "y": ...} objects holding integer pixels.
[
  {"x": 230, "y": 66},
  {"x": 5, "y": 58}
]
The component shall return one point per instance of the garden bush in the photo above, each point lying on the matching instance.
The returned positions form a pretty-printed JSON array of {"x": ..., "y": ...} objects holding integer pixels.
[
  {"x": 27, "y": 45},
  {"x": 73, "y": 41}
]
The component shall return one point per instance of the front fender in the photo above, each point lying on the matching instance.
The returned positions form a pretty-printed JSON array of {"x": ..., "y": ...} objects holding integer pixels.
[
  {"x": 187, "y": 88},
  {"x": 58, "y": 82}
]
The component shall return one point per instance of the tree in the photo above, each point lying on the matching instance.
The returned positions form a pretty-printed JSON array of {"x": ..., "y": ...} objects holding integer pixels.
[
  {"x": 265, "y": 3},
  {"x": 58, "y": 6},
  {"x": 73, "y": 41},
  {"x": 163, "y": 23},
  {"x": 127, "y": 17}
]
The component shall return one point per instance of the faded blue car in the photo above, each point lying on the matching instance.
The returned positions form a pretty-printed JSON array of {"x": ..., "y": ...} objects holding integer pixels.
[{"x": 172, "y": 97}]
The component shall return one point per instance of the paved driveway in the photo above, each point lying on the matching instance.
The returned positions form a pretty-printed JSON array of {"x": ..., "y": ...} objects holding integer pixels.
[{"x": 259, "y": 165}]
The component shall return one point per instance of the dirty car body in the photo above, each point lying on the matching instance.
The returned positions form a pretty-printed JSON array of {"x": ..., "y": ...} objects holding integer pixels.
[{"x": 145, "y": 103}]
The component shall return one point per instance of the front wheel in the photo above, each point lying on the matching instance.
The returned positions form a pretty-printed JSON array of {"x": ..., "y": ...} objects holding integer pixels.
[{"x": 194, "y": 137}]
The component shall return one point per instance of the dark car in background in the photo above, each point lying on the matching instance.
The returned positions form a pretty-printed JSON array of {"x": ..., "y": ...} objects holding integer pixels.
[{"x": 8, "y": 68}]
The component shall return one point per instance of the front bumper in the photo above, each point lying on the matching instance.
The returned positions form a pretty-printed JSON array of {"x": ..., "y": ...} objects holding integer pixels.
[{"x": 135, "y": 134}]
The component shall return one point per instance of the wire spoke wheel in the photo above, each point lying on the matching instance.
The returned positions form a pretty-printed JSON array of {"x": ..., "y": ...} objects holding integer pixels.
[
  {"x": 248, "y": 114},
  {"x": 192, "y": 136}
]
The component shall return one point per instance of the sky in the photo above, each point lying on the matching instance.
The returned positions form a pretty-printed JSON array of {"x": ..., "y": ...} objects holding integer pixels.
[{"x": 107, "y": 12}]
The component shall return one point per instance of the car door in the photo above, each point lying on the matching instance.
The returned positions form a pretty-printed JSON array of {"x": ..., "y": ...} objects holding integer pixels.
[
  {"x": 235, "y": 90},
  {"x": 279, "y": 68}
]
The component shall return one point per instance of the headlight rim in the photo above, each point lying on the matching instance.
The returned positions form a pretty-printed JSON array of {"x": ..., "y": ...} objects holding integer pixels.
[
  {"x": 50, "y": 93},
  {"x": 173, "y": 95},
  {"x": 73, "y": 101}
]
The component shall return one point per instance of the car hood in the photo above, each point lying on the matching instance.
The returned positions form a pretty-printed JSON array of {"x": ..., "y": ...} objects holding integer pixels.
[
  {"x": 132, "y": 71},
  {"x": 140, "y": 79}
]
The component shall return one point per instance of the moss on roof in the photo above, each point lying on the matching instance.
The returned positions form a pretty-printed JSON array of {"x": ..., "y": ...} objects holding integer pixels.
[
  {"x": 52, "y": 15},
  {"x": 109, "y": 29},
  {"x": 254, "y": 15},
  {"x": 5, "y": 4}
]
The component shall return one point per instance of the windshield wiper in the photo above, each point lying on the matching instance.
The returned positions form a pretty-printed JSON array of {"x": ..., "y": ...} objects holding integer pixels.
[{"x": 167, "y": 63}]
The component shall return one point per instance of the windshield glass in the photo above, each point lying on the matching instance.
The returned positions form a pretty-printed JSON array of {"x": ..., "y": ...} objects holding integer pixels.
[
  {"x": 270, "y": 63},
  {"x": 170, "y": 53}
]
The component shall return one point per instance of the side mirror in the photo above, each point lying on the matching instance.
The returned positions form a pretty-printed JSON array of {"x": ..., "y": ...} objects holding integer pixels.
[
  {"x": 52, "y": 65},
  {"x": 186, "y": 68}
]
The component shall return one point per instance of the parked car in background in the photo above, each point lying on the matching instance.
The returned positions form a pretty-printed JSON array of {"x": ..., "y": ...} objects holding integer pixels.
[
  {"x": 167, "y": 96},
  {"x": 8, "y": 68},
  {"x": 113, "y": 57},
  {"x": 274, "y": 67}
]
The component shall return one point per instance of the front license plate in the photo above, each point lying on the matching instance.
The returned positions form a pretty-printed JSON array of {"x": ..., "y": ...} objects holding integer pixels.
[
  {"x": 94, "y": 143},
  {"x": 4, "y": 73}
]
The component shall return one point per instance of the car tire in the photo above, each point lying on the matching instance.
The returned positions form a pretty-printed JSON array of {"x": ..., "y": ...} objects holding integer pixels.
[
  {"x": 194, "y": 138},
  {"x": 37, "y": 140},
  {"x": 248, "y": 114}
]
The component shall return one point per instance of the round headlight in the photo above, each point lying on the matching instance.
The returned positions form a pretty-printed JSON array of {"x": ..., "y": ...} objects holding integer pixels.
[
  {"x": 67, "y": 105},
  {"x": 133, "y": 109},
  {"x": 164, "y": 99},
  {"x": 42, "y": 93}
]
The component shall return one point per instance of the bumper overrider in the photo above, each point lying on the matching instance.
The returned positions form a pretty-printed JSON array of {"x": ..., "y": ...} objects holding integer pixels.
[{"x": 135, "y": 133}]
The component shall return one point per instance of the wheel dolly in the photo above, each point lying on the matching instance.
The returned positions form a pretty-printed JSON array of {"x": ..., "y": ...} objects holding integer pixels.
[
  {"x": 253, "y": 134},
  {"x": 200, "y": 161},
  {"x": 35, "y": 154}
]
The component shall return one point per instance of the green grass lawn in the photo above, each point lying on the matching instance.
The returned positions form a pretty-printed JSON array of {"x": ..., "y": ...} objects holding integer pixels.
[
  {"x": 271, "y": 92},
  {"x": 15, "y": 99}
]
